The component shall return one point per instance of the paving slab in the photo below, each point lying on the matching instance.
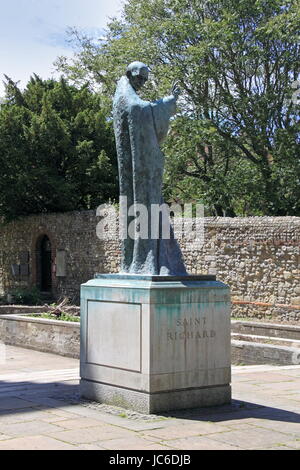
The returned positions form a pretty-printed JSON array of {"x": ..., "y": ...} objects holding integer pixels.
[
  {"x": 252, "y": 438},
  {"x": 78, "y": 423},
  {"x": 28, "y": 428},
  {"x": 280, "y": 447},
  {"x": 34, "y": 414},
  {"x": 35, "y": 443},
  {"x": 41, "y": 409},
  {"x": 186, "y": 430},
  {"x": 200, "y": 443},
  {"x": 132, "y": 443},
  {"x": 293, "y": 444},
  {"x": 13, "y": 403},
  {"x": 101, "y": 432}
]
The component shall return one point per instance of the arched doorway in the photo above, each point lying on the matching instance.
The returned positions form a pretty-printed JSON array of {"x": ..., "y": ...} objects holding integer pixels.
[{"x": 44, "y": 264}]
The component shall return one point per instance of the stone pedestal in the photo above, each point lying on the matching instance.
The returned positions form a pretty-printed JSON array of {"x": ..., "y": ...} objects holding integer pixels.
[{"x": 154, "y": 343}]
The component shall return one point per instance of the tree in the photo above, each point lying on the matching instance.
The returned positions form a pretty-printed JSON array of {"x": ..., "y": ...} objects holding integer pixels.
[
  {"x": 57, "y": 149},
  {"x": 235, "y": 143}
]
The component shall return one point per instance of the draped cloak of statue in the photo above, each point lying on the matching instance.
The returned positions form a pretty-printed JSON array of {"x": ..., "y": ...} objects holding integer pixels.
[{"x": 140, "y": 126}]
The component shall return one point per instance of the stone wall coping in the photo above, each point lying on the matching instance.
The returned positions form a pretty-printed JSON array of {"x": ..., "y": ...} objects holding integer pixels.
[
  {"x": 260, "y": 220},
  {"x": 45, "y": 321},
  {"x": 260, "y": 324},
  {"x": 253, "y": 222},
  {"x": 240, "y": 344}
]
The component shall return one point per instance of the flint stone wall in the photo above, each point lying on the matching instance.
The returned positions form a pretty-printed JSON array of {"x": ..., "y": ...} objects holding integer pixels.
[
  {"x": 40, "y": 334},
  {"x": 258, "y": 257}
]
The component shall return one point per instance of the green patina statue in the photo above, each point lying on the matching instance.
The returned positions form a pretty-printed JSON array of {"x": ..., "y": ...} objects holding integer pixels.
[{"x": 140, "y": 127}]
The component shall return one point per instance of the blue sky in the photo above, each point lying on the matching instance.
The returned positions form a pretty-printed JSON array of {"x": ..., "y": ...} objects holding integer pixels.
[{"x": 33, "y": 32}]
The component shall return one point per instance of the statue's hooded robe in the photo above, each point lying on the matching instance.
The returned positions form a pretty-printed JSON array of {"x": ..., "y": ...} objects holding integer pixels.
[{"x": 140, "y": 126}]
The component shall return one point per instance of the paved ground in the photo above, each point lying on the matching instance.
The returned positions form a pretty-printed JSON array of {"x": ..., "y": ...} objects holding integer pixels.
[{"x": 40, "y": 409}]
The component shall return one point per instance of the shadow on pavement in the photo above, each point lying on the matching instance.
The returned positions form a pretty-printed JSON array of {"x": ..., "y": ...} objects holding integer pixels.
[
  {"x": 236, "y": 410},
  {"x": 22, "y": 397}
]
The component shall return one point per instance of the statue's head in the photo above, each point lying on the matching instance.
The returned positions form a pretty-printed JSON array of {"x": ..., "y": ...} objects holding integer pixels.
[{"x": 138, "y": 74}]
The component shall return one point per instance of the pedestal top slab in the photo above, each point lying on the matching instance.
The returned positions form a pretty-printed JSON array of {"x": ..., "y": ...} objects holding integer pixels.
[
  {"x": 156, "y": 289},
  {"x": 141, "y": 277},
  {"x": 138, "y": 282}
]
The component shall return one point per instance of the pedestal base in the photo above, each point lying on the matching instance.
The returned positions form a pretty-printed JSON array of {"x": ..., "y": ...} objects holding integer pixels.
[
  {"x": 156, "y": 402},
  {"x": 154, "y": 344}
]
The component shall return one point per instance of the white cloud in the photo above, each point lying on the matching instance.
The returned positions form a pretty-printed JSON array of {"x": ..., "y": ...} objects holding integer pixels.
[{"x": 33, "y": 32}]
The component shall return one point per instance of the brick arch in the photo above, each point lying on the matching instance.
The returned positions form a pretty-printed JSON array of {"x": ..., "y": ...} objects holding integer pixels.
[{"x": 35, "y": 251}]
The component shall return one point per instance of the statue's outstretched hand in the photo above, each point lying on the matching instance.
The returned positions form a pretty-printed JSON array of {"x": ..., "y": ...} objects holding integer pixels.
[{"x": 176, "y": 90}]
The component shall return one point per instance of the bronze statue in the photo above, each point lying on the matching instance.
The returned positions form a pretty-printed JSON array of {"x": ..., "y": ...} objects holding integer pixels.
[{"x": 140, "y": 127}]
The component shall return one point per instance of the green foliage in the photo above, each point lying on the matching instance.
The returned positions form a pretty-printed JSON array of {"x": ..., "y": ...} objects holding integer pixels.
[
  {"x": 57, "y": 149},
  {"x": 26, "y": 296},
  {"x": 235, "y": 142},
  {"x": 62, "y": 317}
]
